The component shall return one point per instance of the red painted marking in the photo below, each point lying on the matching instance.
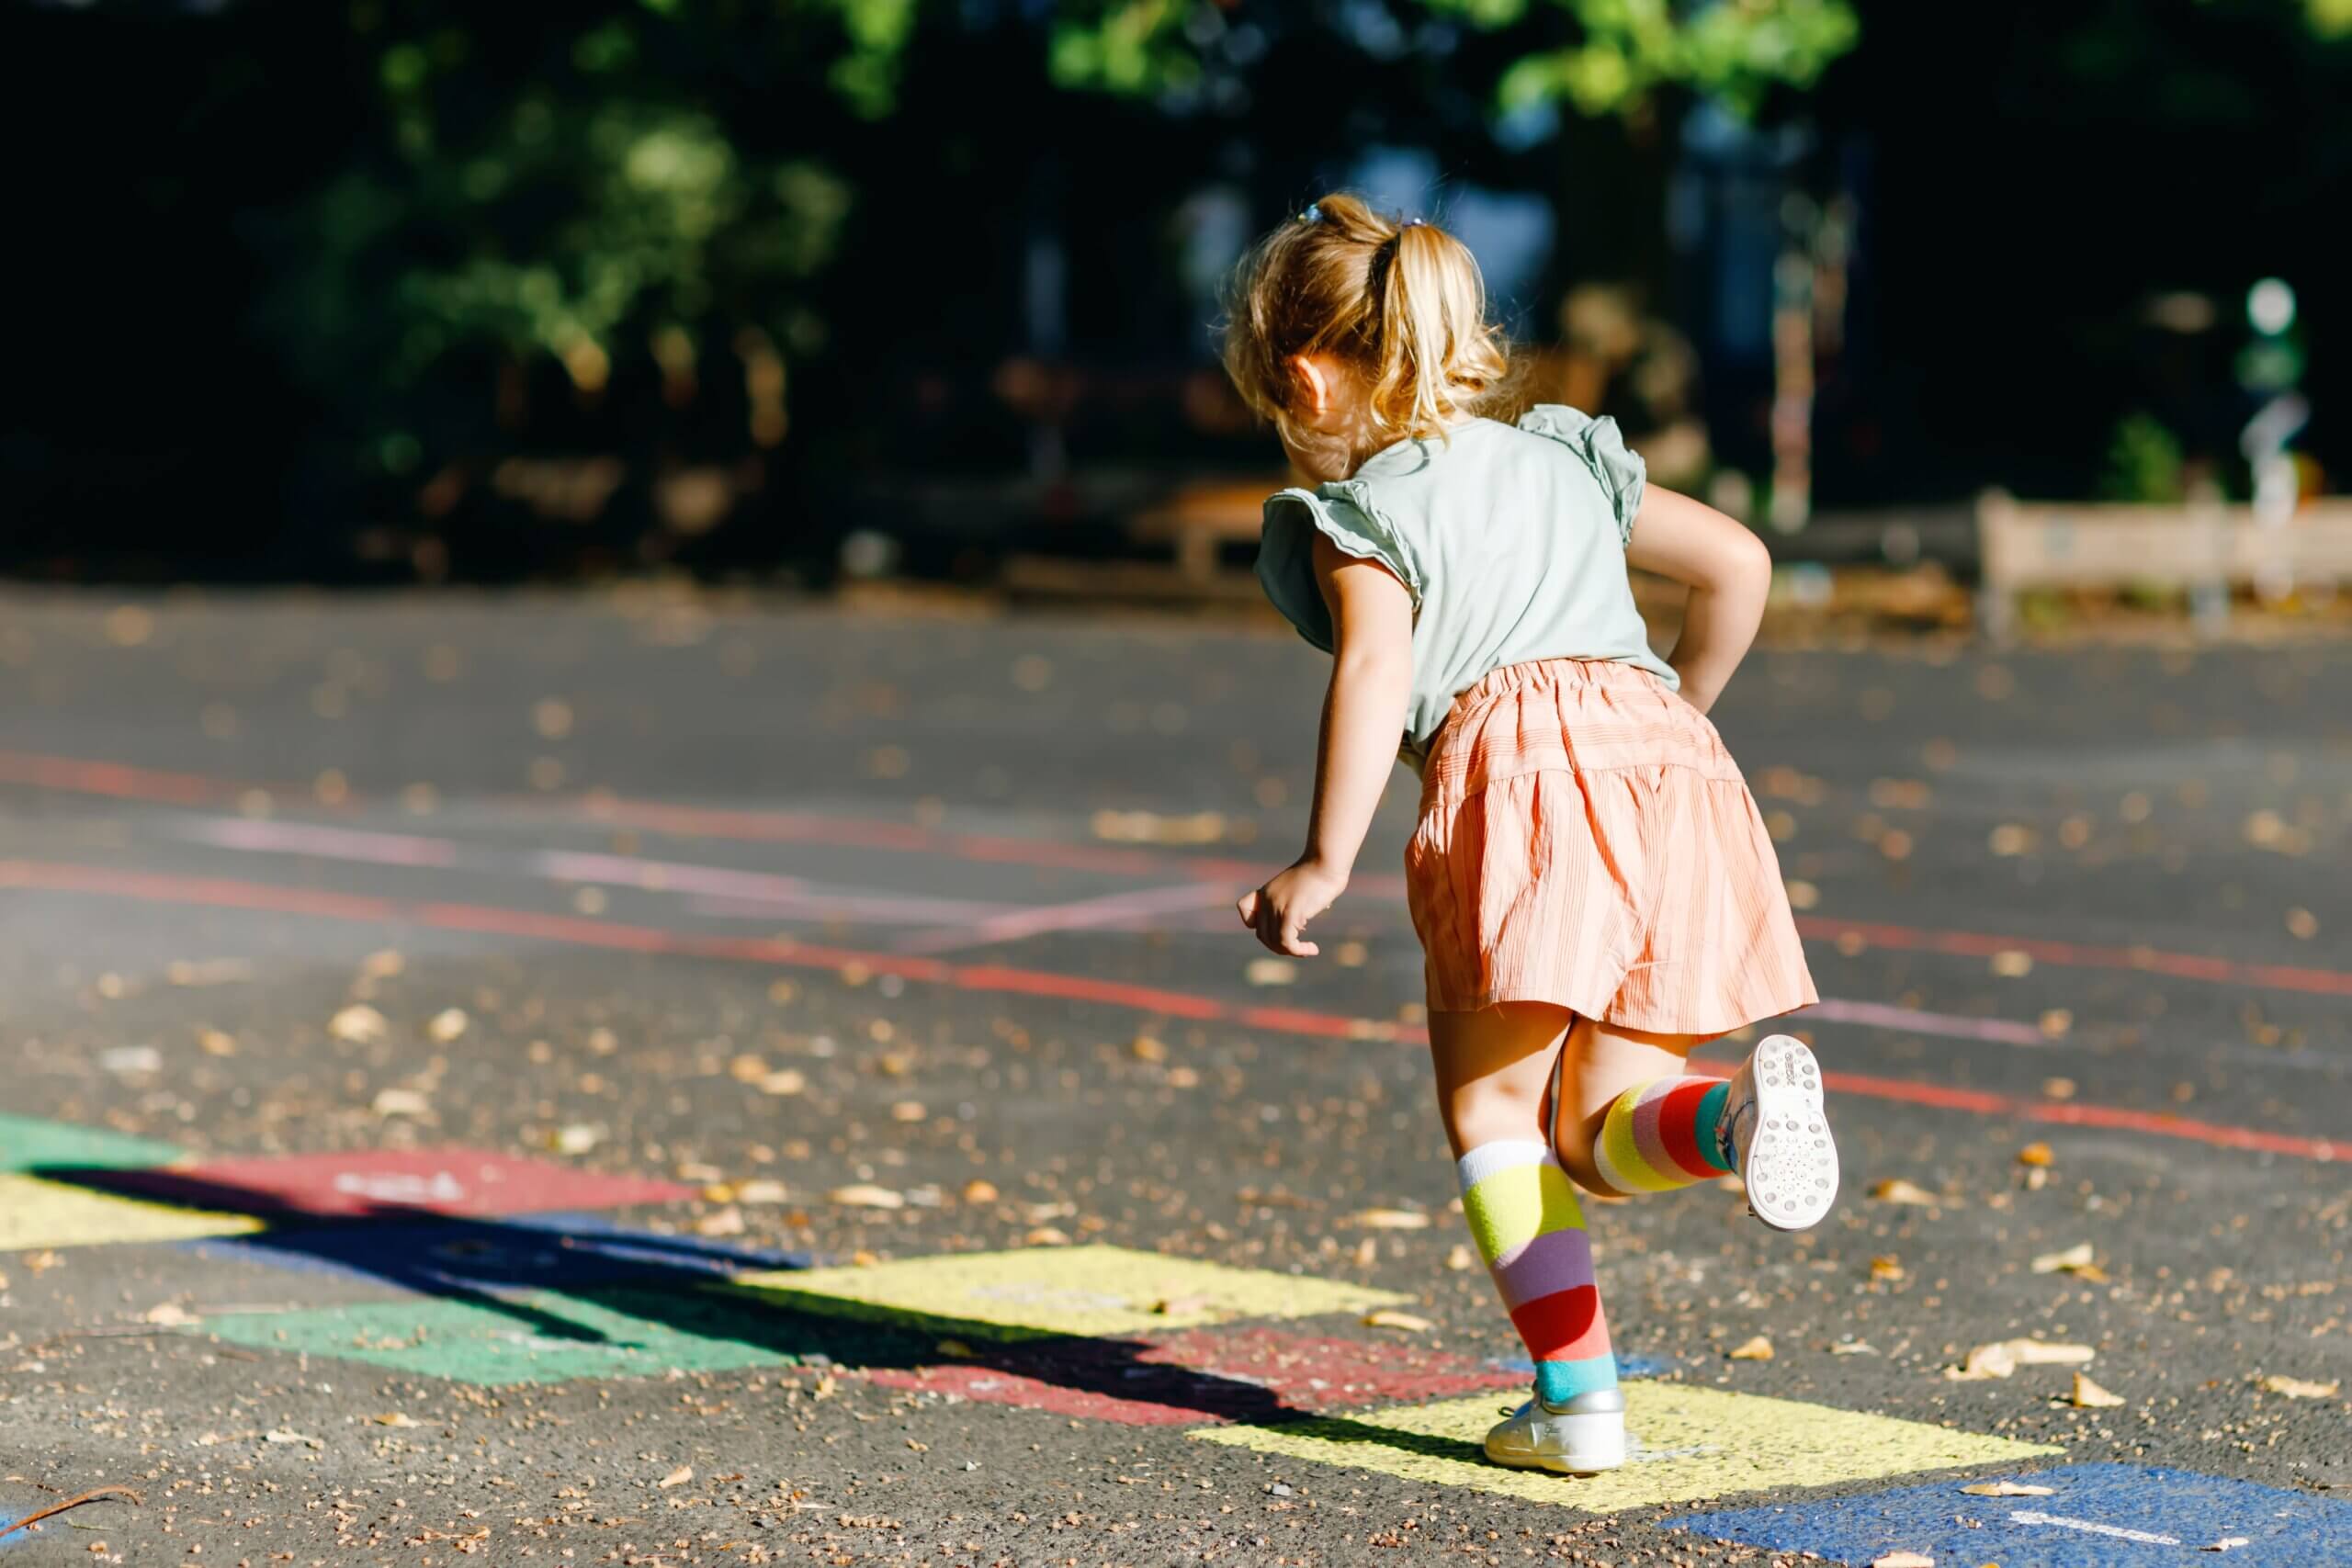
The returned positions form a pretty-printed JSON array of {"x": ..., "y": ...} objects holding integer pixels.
[
  {"x": 222, "y": 892},
  {"x": 687, "y": 821},
  {"x": 384, "y": 1182},
  {"x": 112, "y": 779},
  {"x": 1213, "y": 1377},
  {"x": 2076, "y": 956}
]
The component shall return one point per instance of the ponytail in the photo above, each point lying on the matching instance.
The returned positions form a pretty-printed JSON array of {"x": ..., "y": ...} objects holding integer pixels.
[
  {"x": 1439, "y": 357},
  {"x": 1404, "y": 304}
]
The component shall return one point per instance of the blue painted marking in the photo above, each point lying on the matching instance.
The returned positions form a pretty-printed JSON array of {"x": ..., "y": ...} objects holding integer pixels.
[
  {"x": 1629, "y": 1368},
  {"x": 2097, "y": 1516},
  {"x": 511, "y": 1252}
]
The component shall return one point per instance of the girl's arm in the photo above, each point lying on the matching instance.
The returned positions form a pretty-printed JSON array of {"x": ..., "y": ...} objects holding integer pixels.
[
  {"x": 1730, "y": 573},
  {"x": 1363, "y": 713}
]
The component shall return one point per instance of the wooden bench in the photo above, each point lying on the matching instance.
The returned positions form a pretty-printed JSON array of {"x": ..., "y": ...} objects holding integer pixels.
[
  {"x": 2207, "y": 549},
  {"x": 1200, "y": 518}
]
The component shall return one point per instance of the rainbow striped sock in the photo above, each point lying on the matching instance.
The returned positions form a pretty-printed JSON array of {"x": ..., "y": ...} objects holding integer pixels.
[
  {"x": 1660, "y": 1136},
  {"x": 1530, "y": 1228}
]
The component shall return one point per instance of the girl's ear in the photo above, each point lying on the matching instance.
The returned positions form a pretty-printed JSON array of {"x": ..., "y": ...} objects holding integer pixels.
[{"x": 1312, "y": 381}]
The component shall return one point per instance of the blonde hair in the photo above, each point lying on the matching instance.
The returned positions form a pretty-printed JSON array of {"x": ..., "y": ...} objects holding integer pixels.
[{"x": 1403, "y": 305}]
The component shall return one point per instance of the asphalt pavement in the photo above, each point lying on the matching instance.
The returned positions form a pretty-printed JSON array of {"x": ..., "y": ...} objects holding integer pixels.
[{"x": 664, "y": 1077}]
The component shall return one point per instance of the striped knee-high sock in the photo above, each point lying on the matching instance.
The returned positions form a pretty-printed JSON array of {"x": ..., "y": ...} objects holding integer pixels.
[
  {"x": 1527, "y": 1222},
  {"x": 1662, "y": 1135}
]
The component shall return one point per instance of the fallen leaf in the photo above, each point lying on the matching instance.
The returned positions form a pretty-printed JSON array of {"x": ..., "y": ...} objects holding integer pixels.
[
  {"x": 2012, "y": 963},
  {"x": 1886, "y": 1268},
  {"x": 1390, "y": 1219},
  {"x": 1853, "y": 1348},
  {"x": 909, "y": 1111},
  {"x": 677, "y": 1477},
  {"x": 786, "y": 1080},
  {"x": 1984, "y": 1361},
  {"x": 396, "y": 1418},
  {"x": 2006, "y": 1489},
  {"x": 402, "y": 1102},
  {"x": 2055, "y": 1022},
  {"x": 1146, "y": 1049},
  {"x": 979, "y": 1190},
  {"x": 1757, "y": 1349},
  {"x": 2079, "y": 1256},
  {"x": 1046, "y": 1236},
  {"x": 2040, "y": 1353},
  {"x": 130, "y": 1059},
  {"x": 216, "y": 1043},
  {"x": 2088, "y": 1396},
  {"x": 2058, "y": 1089},
  {"x": 1270, "y": 972},
  {"x": 1461, "y": 1258},
  {"x": 864, "y": 1195},
  {"x": 2227, "y": 1543},
  {"x": 2035, "y": 1154},
  {"x": 576, "y": 1139},
  {"x": 171, "y": 1314},
  {"x": 1388, "y": 1317},
  {"x": 760, "y": 1192},
  {"x": 284, "y": 1435},
  {"x": 358, "y": 1025},
  {"x": 382, "y": 964},
  {"x": 1902, "y": 1559},
  {"x": 447, "y": 1025},
  {"x": 1896, "y": 1190},
  {"x": 2296, "y": 1388},
  {"x": 727, "y": 1221}
]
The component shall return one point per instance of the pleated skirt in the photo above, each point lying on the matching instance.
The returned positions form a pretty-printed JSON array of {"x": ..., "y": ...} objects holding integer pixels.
[{"x": 1585, "y": 839}]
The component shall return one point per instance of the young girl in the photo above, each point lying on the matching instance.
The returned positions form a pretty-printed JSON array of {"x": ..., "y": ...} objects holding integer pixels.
[{"x": 1593, "y": 888}]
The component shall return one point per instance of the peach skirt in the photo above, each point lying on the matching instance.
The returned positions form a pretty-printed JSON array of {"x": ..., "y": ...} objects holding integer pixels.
[{"x": 1585, "y": 839}]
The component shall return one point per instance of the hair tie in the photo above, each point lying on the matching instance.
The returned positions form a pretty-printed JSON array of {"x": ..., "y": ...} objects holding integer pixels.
[
  {"x": 1411, "y": 223},
  {"x": 1314, "y": 213}
]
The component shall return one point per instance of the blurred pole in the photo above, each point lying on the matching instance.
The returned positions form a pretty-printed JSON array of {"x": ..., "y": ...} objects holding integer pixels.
[
  {"x": 2270, "y": 369},
  {"x": 1044, "y": 299},
  {"x": 1792, "y": 376}
]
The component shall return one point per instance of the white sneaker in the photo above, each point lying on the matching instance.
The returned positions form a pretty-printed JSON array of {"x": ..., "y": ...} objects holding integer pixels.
[
  {"x": 1581, "y": 1438},
  {"x": 1776, "y": 1135}
]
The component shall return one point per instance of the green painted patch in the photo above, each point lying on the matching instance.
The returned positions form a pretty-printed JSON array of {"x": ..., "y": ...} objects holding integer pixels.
[
  {"x": 545, "y": 1337},
  {"x": 28, "y": 1143}
]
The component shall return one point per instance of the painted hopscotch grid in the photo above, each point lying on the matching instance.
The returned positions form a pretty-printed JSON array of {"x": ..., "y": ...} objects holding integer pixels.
[
  {"x": 388, "y": 1184},
  {"x": 1079, "y": 1291},
  {"x": 37, "y": 1213},
  {"x": 29, "y": 1144},
  {"x": 1690, "y": 1444},
  {"x": 542, "y": 1336},
  {"x": 2097, "y": 1516}
]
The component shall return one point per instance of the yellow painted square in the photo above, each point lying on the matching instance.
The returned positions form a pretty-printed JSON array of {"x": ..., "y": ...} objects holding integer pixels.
[
  {"x": 1689, "y": 1444},
  {"x": 1059, "y": 1290},
  {"x": 37, "y": 1213}
]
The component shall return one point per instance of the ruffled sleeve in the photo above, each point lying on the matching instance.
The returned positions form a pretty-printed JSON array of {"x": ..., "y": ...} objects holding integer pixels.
[
  {"x": 1287, "y": 553},
  {"x": 1623, "y": 474}
]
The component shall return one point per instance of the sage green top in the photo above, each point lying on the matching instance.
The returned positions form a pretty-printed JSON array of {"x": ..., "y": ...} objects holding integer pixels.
[{"x": 1510, "y": 538}]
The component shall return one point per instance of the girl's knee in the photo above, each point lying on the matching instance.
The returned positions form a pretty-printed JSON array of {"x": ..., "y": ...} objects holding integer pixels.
[{"x": 1491, "y": 1110}]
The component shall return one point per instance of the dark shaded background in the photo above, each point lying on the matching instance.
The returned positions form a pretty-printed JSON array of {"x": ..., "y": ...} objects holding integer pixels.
[{"x": 199, "y": 349}]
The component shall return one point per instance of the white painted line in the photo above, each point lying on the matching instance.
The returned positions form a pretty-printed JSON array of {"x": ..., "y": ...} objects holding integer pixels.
[
  {"x": 2089, "y": 1527},
  {"x": 1086, "y": 914}
]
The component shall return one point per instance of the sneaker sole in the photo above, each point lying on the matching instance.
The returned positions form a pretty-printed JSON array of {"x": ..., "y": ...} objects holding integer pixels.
[{"x": 1790, "y": 1171}]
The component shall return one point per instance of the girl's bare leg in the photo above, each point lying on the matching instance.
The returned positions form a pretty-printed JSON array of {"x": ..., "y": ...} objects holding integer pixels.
[{"x": 1602, "y": 1062}]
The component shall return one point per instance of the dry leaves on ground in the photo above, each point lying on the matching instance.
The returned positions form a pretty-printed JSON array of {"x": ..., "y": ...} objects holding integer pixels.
[
  {"x": 2079, "y": 1260},
  {"x": 2298, "y": 1388},
  {"x": 1902, "y": 1559},
  {"x": 1389, "y": 1218},
  {"x": 1757, "y": 1349},
  {"x": 2088, "y": 1396},
  {"x": 677, "y": 1477},
  {"x": 864, "y": 1195},
  {"x": 1387, "y": 1317},
  {"x": 1896, "y": 1190},
  {"x": 2004, "y": 1357},
  {"x": 2006, "y": 1489},
  {"x": 358, "y": 1025}
]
